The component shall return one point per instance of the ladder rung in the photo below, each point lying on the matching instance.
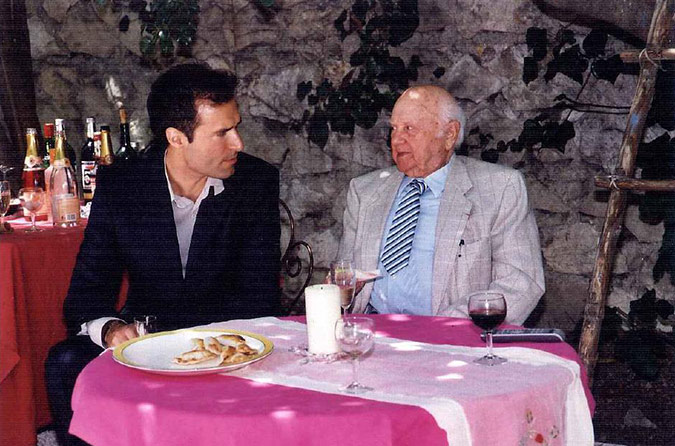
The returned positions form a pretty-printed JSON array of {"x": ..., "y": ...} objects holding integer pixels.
[
  {"x": 625, "y": 183},
  {"x": 634, "y": 56}
]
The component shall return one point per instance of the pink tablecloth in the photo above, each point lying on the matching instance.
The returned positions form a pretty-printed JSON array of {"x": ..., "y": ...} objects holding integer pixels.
[{"x": 115, "y": 405}]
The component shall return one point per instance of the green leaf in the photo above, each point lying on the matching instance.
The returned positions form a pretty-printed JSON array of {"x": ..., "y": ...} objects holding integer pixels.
[{"x": 147, "y": 45}]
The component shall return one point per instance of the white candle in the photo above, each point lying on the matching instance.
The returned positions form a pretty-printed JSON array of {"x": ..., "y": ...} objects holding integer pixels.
[{"x": 322, "y": 305}]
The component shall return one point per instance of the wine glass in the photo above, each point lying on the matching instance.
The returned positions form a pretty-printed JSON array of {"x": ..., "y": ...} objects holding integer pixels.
[
  {"x": 32, "y": 199},
  {"x": 355, "y": 337},
  {"x": 5, "y": 198},
  {"x": 487, "y": 309},
  {"x": 343, "y": 275},
  {"x": 145, "y": 325}
]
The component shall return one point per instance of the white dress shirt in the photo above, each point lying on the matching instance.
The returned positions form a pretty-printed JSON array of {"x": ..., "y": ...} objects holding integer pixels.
[{"x": 184, "y": 216}]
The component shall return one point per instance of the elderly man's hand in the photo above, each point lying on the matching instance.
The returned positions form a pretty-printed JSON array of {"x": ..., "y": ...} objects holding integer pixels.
[
  {"x": 357, "y": 288},
  {"x": 119, "y": 332}
]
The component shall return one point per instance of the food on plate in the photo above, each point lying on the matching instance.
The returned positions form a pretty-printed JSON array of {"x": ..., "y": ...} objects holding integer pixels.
[
  {"x": 225, "y": 349},
  {"x": 212, "y": 345},
  {"x": 193, "y": 357},
  {"x": 230, "y": 338}
]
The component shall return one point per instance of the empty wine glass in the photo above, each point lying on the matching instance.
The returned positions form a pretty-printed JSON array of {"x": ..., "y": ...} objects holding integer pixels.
[
  {"x": 5, "y": 198},
  {"x": 355, "y": 336},
  {"x": 343, "y": 275},
  {"x": 145, "y": 324},
  {"x": 4, "y": 170},
  {"x": 487, "y": 309},
  {"x": 32, "y": 199}
]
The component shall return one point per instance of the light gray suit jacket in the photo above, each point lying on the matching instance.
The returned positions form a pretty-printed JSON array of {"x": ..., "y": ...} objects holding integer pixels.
[{"x": 485, "y": 206}]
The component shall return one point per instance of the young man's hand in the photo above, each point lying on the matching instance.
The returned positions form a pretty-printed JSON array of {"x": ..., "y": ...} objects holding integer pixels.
[{"x": 119, "y": 332}]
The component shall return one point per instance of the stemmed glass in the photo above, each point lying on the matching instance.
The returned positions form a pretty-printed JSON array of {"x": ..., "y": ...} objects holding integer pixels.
[
  {"x": 5, "y": 199},
  {"x": 32, "y": 199},
  {"x": 488, "y": 310},
  {"x": 355, "y": 336},
  {"x": 343, "y": 275},
  {"x": 145, "y": 324}
]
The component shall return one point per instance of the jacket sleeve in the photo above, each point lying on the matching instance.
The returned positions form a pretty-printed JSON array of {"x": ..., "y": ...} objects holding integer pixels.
[
  {"x": 259, "y": 254},
  {"x": 95, "y": 283}
]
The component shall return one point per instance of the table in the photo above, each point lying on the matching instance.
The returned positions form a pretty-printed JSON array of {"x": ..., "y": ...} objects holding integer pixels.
[
  {"x": 35, "y": 270},
  {"x": 116, "y": 405}
]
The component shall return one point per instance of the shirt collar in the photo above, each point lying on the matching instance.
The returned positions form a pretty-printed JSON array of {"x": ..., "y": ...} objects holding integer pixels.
[
  {"x": 435, "y": 182},
  {"x": 216, "y": 183}
]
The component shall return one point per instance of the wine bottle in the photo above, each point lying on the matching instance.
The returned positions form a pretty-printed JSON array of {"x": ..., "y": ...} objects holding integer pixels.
[
  {"x": 106, "y": 157},
  {"x": 48, "y": 133},
  {"x": 70, "y": 152},
  {"x": 33, "y": 171},
  {"x": 88, "y": 164},
  {"x": 48, "y": 130},
  {"x": 125, "y": 152},
  {"x": 97, "y": 146},
  {"x": 63, "y": 187}
]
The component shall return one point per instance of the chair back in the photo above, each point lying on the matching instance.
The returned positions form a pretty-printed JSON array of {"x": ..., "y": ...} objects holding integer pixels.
[{"x": 293, "y": 267}]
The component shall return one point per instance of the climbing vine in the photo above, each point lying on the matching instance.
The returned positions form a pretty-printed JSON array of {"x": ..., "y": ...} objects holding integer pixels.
[
  {"x": 169, "y": 26},
  {"x": 376, "y": 78}
]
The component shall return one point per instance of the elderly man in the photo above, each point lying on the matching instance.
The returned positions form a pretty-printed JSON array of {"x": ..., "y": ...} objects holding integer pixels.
[{"x": 440, "y": 226}]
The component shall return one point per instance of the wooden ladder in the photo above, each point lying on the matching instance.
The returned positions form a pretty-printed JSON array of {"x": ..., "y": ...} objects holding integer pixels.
[{"x": 623, "y": 180}]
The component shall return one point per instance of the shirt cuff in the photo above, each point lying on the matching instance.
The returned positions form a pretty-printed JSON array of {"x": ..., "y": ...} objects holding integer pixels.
[{"x": 94, "y": 329}]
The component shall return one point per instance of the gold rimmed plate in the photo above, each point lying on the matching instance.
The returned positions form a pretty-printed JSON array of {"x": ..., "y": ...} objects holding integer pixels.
[{"x": 155, "y": 352}]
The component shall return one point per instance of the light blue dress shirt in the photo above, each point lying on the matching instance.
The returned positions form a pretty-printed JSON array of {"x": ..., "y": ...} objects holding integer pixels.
[{"x": 409, "y": 290}]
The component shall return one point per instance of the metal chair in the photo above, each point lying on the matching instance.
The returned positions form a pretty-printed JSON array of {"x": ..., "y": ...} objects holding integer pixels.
[{"x": 292, "y": 263}]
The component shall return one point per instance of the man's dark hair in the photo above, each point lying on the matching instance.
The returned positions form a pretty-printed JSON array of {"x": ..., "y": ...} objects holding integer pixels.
[{"x": 171, "y": 102}]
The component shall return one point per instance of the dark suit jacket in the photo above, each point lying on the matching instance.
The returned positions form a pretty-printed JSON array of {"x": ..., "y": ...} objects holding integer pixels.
[{"x": 233, "y": 264}]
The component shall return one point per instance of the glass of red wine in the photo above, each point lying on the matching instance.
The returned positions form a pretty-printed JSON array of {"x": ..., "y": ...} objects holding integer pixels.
[{"x": 487, "y": 309}]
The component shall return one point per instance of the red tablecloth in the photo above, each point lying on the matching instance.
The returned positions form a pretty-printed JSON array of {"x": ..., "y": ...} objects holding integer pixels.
[
  {"x": 115, "y": 405},
  {"x": 35, "y": 270}
]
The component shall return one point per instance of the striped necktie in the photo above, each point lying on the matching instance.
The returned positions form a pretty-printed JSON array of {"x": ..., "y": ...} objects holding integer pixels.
[{"x": 396, "y": 252}]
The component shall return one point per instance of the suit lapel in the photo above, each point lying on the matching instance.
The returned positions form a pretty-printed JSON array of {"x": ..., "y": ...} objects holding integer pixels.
[
  {"x": 376, "y": 210},
  {"x": 208, "y": 229},
  {"x": 155, "y": 215},
  {"x": 452, "y": 217}
]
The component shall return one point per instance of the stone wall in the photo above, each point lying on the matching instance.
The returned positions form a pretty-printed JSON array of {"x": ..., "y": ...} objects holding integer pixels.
[{"x": 85, "y": 66}]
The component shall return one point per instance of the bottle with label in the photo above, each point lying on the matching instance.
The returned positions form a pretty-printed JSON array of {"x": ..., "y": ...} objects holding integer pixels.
[
  {"x": 48, "y": 133},
  {"x": 106, "y": 157},
  {"x": 88, "y": 164},
  {"x": 33, "y": 171},
  {"x": 70, "y": 152},
  {"x": 63, "y": 187},
  {"x": 126, "y": 151},
  {"x": 97, "y": 146}
]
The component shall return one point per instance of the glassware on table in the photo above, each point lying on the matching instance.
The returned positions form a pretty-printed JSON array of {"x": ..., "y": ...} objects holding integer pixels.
[
  {"x": 5, "y": 199},
  {"x": 32, "y": 199},
  {"x": 355, "y": 335},
  {"x": 145, "y": 325},
  {"x": 4, "y": 170},
  {"x": 487, "y": 309},
  {"x": 343, "y": 274}
]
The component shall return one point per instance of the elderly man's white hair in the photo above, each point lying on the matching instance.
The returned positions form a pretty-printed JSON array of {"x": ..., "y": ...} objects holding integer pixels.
[{"x": 451, "y": 111}]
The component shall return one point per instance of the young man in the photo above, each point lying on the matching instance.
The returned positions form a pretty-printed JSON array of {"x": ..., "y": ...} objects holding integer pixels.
[{"x": 195, "y": 226}]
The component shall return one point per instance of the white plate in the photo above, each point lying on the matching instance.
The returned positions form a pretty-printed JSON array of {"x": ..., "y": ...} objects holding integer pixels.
[{"x": 155, "y": 352}]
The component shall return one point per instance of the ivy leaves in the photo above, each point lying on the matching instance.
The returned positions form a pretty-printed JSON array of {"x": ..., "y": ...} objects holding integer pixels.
[
  {"x": 169, "y": 25},
  {"x": 168, "y": 21},
  {"x": 657, "y": 161},
  {"x": 569, "y": 58},
  {"x": 642, "y": 346},
  {"x": 543, "y": 131},
  {"x": 376, "y": 77}
]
